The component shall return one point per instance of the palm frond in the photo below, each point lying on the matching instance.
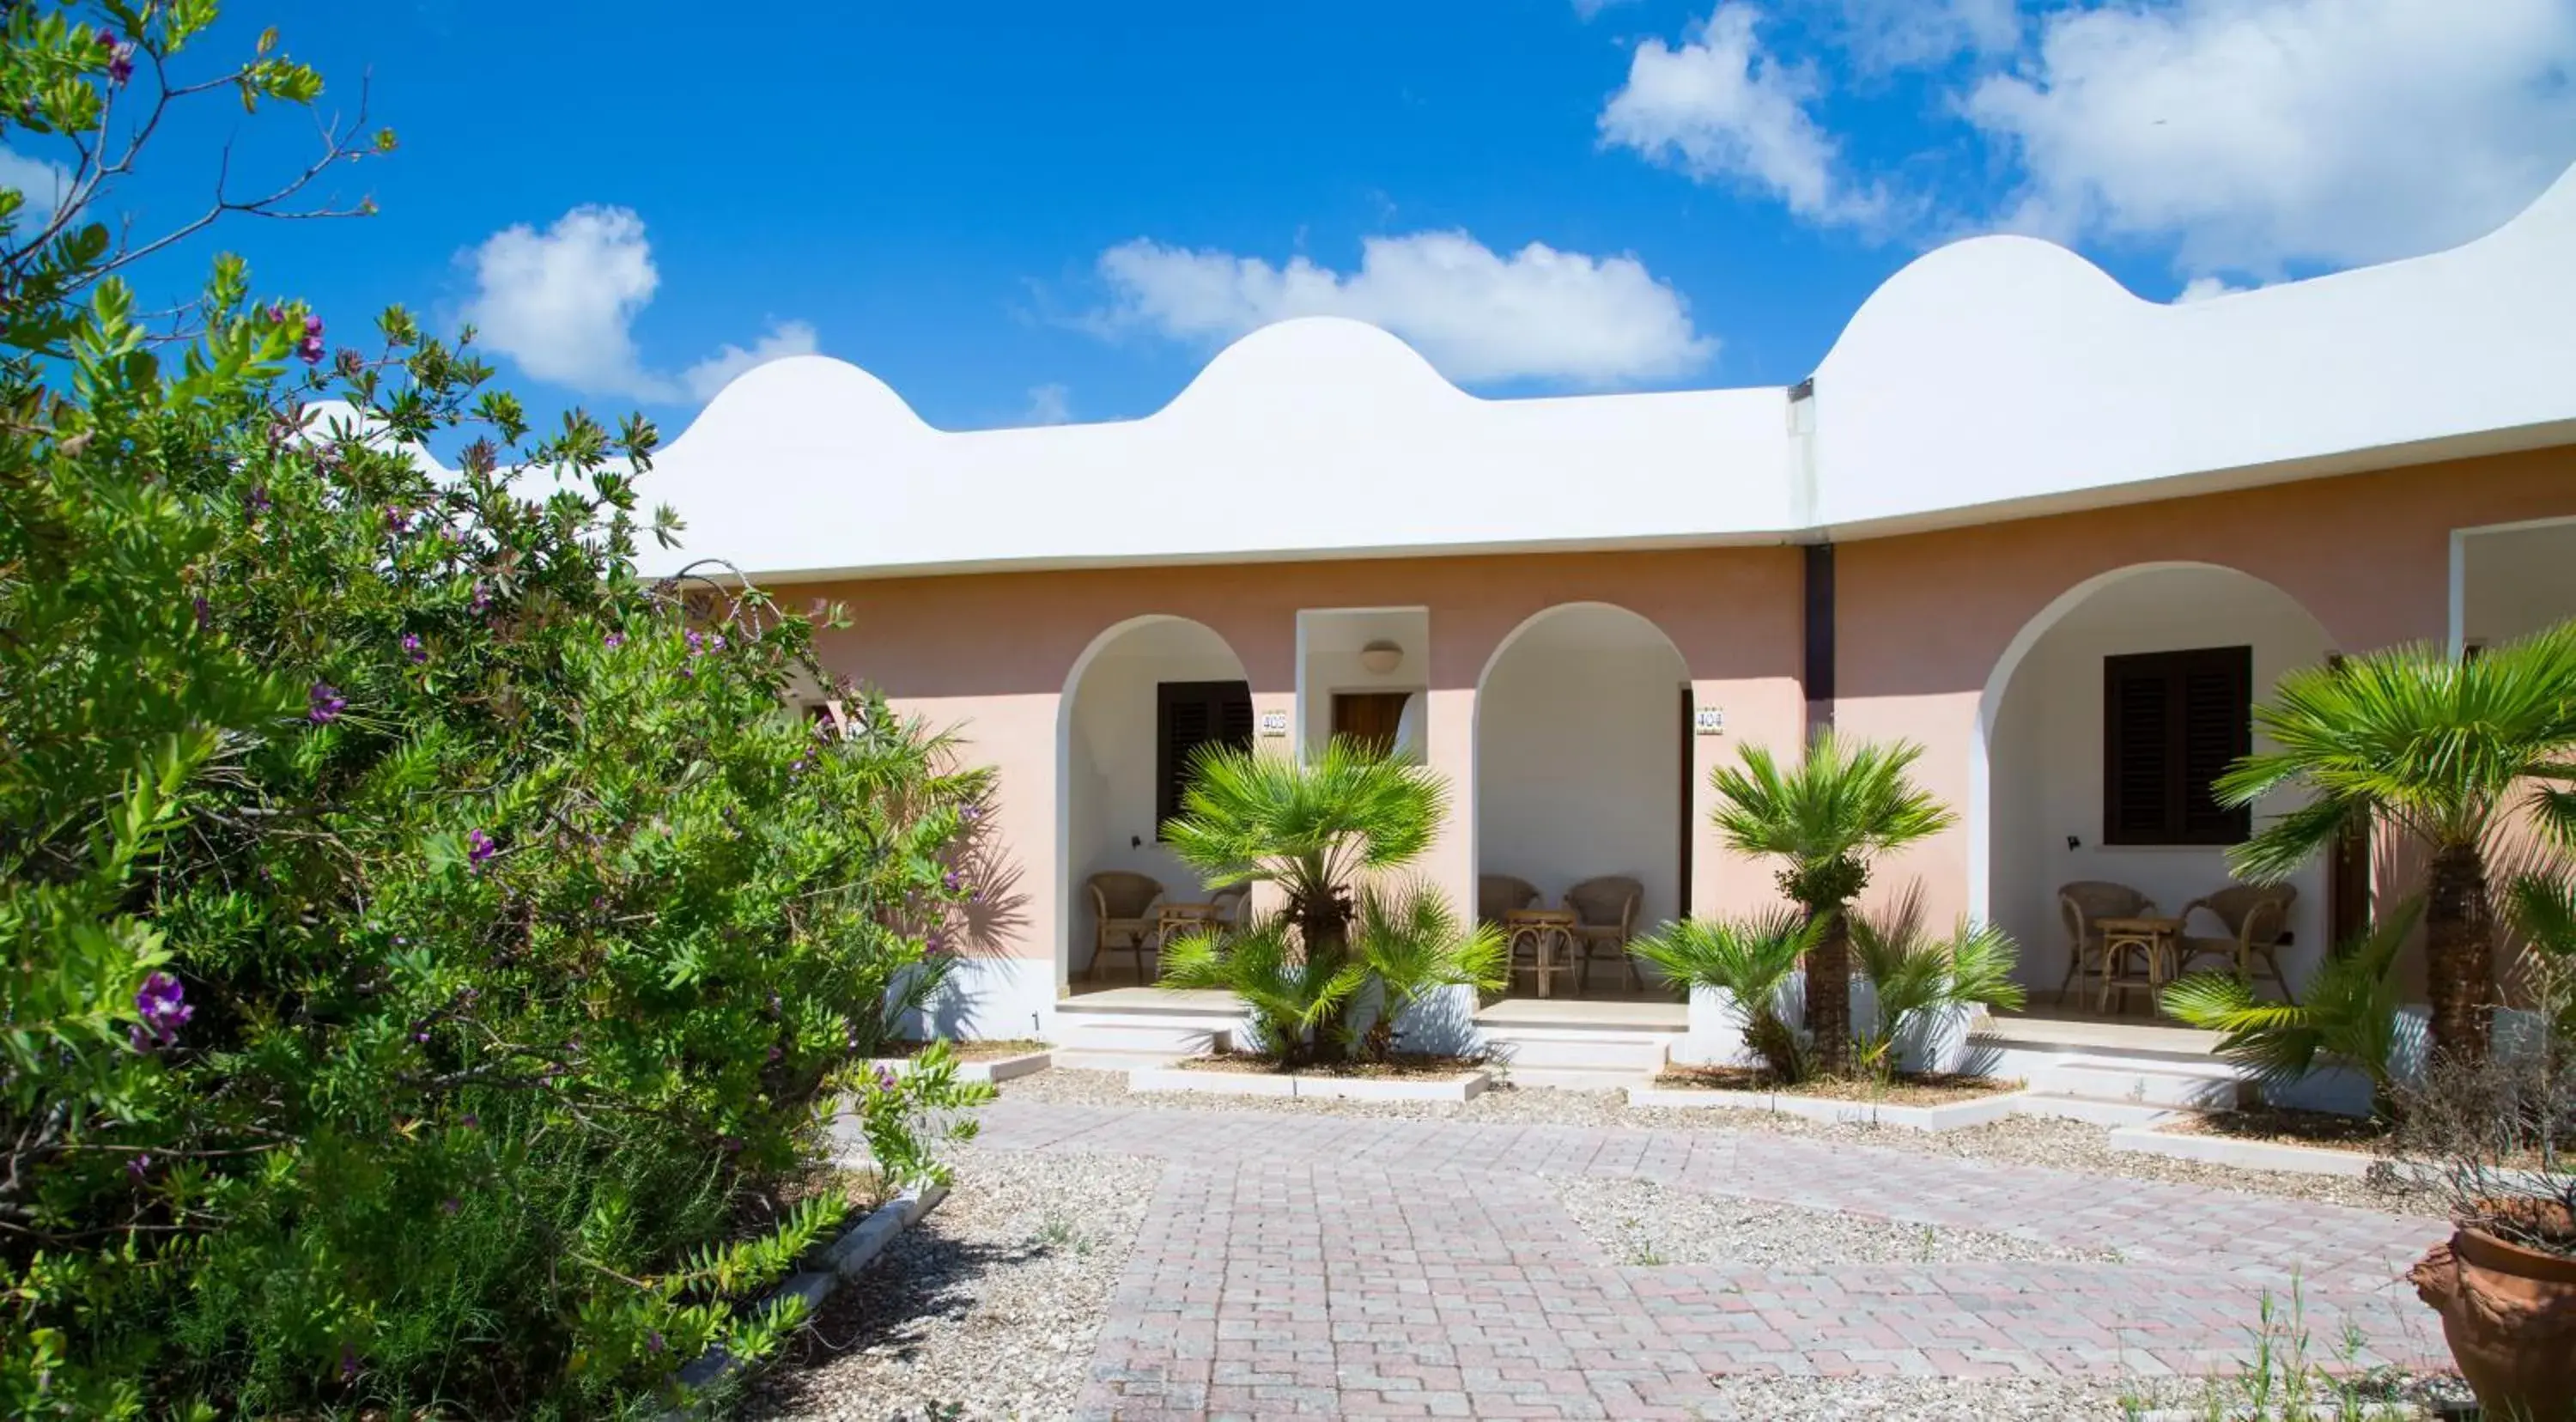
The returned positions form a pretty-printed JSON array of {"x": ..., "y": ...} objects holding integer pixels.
[
  {"x": 1750, "y": 960},
  {"x": 1913, "y": 975},
  {"x": 2349, "y": 1017},
  {"x": 1845, "y": 798},
  {"x": 1409, "y": 936},
  {"x": 1248, "y": 816}
]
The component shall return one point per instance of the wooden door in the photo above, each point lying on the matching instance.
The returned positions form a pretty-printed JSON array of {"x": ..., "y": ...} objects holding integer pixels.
[{"x": 1369, "y": 716}]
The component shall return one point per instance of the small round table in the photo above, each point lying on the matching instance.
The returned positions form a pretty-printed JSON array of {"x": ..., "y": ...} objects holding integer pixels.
[
  {"x": 1171, "y": 919},
  {"x": 2152, "y": 939},
  {"x": 1546, "y": 931}
]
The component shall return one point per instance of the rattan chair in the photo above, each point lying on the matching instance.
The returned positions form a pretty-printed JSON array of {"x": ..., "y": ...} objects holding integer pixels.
[
  {"x": 2257, "y": 919},
  {"x": 2084, "y": 904},
  {"x": 1123, "y": 905},
  {"x": 1229, "y": 902},
  {"x": 1605, "y": 912},
  {"x": 1499, "y": 894}
]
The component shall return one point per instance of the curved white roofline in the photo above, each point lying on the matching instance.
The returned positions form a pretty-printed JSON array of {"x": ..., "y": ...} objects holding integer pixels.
[{"x": 1991, "y": 377}]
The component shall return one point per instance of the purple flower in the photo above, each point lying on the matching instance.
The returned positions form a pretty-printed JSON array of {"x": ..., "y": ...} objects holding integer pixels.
[
  {"x": 653, "y": 1340},
  {"x": 420, "y": 1036},
  {"x": 310, "y": 348},
  {"x": 205, "y": 612},
  {"x": 885, "y": 1078},
  {"x": 951, "y": 880},
  {"x": 718, "y": 643},
  {"x": 120, "y": 57},
  {"x": 970, "y": 814},
  {"x": 257, "y": 499},
  {"x": 471, "y": 1121},
  {"x": 328, "y": 703},
  {"x": 348, "y": 1363},
  {"x": 482, "y": 597},
  {"x": 397, "y": 520},
  {"x": 479, "y": 847},
  {"x": 451, "y": 1205},
  {"x": 139, "y": 1164},
  {"x": 276, "y": 313},
  {"x": 163, "y": 1006},
  {"x": 775, "y": 1054},
  {"x": 732, "y": 1143},
  {"x": 613, "y": 641},
  {"x": 312, "y": 326},
  {"x": 697, "y": 643},
  {"x": 411, "y": 644}
]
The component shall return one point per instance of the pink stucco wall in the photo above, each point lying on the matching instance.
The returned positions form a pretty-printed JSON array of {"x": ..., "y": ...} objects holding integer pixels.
[{"x": 1923, "y": 620}]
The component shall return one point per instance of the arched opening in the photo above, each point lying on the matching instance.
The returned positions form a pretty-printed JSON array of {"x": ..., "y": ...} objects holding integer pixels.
[
  {"x": 1140, "y": 699},
  {"x": 1582, "y": 769},
  {"x": 2098, "y": 733}
]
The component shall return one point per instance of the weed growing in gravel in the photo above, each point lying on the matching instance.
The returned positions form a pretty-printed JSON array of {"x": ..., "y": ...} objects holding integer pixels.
[
  {"x": 1642, "y": 1257},
  {"x": 2283, "y": 1382},
  {"x": 1059, "y": 1232}
]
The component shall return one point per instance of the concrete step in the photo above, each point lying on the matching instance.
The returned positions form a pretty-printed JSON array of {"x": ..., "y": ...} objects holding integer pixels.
[
  {"x": 1576, "y": 1078},
  {"x": 2093, "y": 1110},
  {"x": 1627, "y": 1050},
  {"x": 1079, "y": 1059},
  {"x": 1169, "y": 1039},
  {"x": 2138, "y": 1081}
]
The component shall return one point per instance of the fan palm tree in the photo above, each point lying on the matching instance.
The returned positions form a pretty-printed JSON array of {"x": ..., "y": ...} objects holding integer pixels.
[
  {"x": 1312, "y": 829},
  {"x": 1913, "y": 975},
  {"x": 1316, "y": 830},
  {"x": 2349, "y": 1018},
  {"x": 2443, "y": 748},
  {"x": 1750, "y": 961},
  {"x": 1845, "y": 803},
  {"x": 1410, "y": 940}
]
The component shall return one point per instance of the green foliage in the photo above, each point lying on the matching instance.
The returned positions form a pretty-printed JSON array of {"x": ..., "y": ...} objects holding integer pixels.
[
  {"x": 1412, "y": 943},
  {"x": 2440, "y": 747},
  {"x": 1311, "y": 828},
  {"x": 1291, "y": 995},
  {"x": 434, "y": 952},
  {"x": 1916, "y": 977},
  {"x": 1750, "y": 960},
  {"x": 2349, "y": 1018},
  {"x": 1314, "y": 829},
  {"x": 1843, "y": 804}
]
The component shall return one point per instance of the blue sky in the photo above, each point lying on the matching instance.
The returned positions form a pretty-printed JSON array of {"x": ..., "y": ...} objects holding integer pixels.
[{"x": 1016, "y": 212}]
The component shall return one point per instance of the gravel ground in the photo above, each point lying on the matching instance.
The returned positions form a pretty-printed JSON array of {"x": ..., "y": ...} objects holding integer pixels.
[
  {"x": 988, "y": 1308},
  {"x": 1772, "y": 1399},
  {"x": 1642, "y": 1222},
  {"x": 2015, "y": 1140}
]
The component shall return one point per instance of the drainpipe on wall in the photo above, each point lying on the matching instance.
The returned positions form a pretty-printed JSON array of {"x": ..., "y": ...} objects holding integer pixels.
[{"x": 1817, "y": 606}]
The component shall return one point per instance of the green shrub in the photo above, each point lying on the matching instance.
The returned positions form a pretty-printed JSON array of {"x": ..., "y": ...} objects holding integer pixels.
[{"x": 434, "y": 951}]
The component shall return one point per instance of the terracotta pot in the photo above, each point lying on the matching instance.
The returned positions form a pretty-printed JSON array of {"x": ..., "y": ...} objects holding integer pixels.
[{"x": 2509, "y": 1314}]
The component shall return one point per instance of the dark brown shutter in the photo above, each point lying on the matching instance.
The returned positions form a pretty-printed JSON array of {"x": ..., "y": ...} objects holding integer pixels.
[
  {"x": 1188, "y": 715},
  {"x": 2172, "y": 723}
]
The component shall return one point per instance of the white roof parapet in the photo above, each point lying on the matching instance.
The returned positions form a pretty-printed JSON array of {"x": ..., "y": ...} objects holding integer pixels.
[{"x": 1994, "y": 376}]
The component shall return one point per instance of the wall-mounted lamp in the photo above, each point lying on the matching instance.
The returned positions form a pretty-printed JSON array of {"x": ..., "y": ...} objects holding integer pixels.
[
  {"x": 1381, "y": 657},
  {"x": 2073, "y": 843}
]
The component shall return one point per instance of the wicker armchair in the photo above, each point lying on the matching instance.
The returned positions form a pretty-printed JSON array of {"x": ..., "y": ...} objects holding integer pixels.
[
  {"x": 1499, "y": 894},
  {"x": 2084, "y": 904},
  {"x": 1605, "y": 912},
  {"x": 1229, "y": 902},
  {"x": 1122, "y": 904},
  {"x": 2257, "y": 920}
]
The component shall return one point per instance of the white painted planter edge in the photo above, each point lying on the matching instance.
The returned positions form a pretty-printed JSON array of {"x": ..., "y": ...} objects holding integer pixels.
[{"x": 1221, "y": 1083}]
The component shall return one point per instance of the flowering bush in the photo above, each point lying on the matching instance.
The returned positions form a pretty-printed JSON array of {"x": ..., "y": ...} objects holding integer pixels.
[{"x": 434, "y": 952}]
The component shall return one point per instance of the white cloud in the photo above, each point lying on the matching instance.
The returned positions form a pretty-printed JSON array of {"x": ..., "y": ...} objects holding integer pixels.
[
  {"x": 2253, "y": 133},
  {"x": 785, "y": 338},
  {"x": 1478, "y": 315},
  {"x": 39, "y": 183},
  {"x": 1885, "y": 35},
  {"x": 1048, "y": 405},
  {"x": 563, "y": 302},
  {"x": 2202, "y": 288},
  {"x": 1723, "y": 109},
  {"x": 1586, "y": 9}
]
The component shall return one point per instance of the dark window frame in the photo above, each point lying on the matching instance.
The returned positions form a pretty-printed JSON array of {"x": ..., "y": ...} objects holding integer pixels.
[
  {"x": 2172, "y": 722},
  {"x": 1226, "y": 711}
]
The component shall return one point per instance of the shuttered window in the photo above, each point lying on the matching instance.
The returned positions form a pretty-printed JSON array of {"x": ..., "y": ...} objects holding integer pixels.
[
  {"x": 1188, "y": 715},
  {"x": 2172, "y": 722}
]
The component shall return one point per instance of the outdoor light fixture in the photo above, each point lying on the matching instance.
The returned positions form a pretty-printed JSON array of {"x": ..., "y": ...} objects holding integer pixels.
[{"x": 1381, "y": 657}]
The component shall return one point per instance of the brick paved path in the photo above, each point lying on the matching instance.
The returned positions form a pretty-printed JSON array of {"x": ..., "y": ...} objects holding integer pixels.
[{"x": 1380, "y": 1268}]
